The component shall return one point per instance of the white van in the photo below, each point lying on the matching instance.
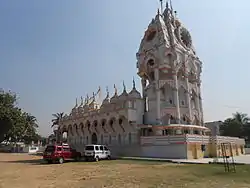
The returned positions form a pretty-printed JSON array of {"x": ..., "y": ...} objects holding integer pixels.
[{"x": 96, "y": 152}]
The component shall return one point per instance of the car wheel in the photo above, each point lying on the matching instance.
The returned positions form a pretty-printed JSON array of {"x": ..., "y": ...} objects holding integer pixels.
[
  {"x": 61, "y": 160},
  {"x": 97, "y": 158},
  {"x": 109, "y": 158}
]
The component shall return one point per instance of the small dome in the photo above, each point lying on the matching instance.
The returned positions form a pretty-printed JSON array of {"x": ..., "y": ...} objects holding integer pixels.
[
  {"x": 134, "y": 93},
  {"x": 123, "y": 96},
  {"x": 106, "y": 101},
  {"x": 114, "y": 98}
]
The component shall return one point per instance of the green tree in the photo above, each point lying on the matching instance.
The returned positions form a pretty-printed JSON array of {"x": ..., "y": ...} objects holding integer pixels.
[
  {"x": 56, "y": 118},
  {"x": 10, "y": 114},
  {"x": 15, "y": 125},
  {"x": 29, "y": 128},
  {"x": 55, "y": 121},
  {"x": 237, "y": 126}
]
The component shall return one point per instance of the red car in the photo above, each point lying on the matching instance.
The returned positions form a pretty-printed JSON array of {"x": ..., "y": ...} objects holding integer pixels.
[{"x": 60, "y": 153}]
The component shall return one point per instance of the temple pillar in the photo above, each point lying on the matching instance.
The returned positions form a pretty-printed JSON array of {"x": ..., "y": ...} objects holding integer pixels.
[
  {"x": 176, "y": 97},
  {"x": 197, "y": 101},
  {"x": 200, "y": 103},
  {"x": 188, "y": 98},
  {"x": 158, "y": 97},
  {"x": 143, "y": 84}
]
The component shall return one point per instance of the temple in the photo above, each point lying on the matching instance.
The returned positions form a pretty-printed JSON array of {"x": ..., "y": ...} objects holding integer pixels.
[{"x": 166, "y": 119}]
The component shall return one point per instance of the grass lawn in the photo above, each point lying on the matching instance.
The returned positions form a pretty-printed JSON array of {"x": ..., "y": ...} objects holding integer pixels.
[{"x": 23, "y": 171}]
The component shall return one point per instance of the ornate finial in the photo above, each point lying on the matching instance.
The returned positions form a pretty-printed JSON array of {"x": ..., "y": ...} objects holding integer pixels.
[
  {"x": 93, "y": 96},
  {"x": 81, "y": 101},
  {"x": 170, "y": 3},
  {"x": 124, "y": 86},
  {"x": 133, "y": 83},
  {"x": 76, "y": 103},
  {"x": 107, "y": 91},
  {"x": 158, "y": 12},
  {"x": 115, "y": 89},
  {"x": 161, "y": 7},
  {"x": 167, "y": 5},
  {"x": 87, "y": 99}
]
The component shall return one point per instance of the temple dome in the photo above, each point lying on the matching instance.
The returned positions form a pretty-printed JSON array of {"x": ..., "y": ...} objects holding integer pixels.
[
  {"x": 115, "y": 97},
  {"x": 134, "y": 93},
  {"x": 106, "y": 101}
]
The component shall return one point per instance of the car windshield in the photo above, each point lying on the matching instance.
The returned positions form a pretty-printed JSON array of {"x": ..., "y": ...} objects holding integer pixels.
[
  {"x": 50, "y": 148},
  {"x": 89, "y": 148}
]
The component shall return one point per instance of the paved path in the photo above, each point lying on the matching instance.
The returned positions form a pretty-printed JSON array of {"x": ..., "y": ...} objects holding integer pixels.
[{"x": 244, "y": 159}]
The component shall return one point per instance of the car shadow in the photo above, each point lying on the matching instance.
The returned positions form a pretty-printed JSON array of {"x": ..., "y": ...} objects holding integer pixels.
[{"x": 31, "y": 162}]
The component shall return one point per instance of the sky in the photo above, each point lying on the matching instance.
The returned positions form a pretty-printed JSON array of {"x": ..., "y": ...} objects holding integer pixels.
[{"x": 54, "y": 51}]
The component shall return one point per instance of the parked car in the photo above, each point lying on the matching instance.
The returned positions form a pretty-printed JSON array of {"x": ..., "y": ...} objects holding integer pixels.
[
  {"x": 60, "y": 153},
  {"x": 96, "y": 152}
]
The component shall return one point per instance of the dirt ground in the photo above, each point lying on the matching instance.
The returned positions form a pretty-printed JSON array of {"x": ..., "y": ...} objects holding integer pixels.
[{"x": 24, "y": 171}]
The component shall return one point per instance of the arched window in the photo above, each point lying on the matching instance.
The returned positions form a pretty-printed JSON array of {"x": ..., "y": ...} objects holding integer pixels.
[
  {"x": 120, "y": 121},
  {"x": 95, "y": 123},
  {"x": 82, "y": 128}
]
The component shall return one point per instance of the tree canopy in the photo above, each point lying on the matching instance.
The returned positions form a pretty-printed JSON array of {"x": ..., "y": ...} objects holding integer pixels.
[
  {"x": 56, "y": 118},
  {"x": 15, "y": 124},
  {"x": 236, "y": 126}
]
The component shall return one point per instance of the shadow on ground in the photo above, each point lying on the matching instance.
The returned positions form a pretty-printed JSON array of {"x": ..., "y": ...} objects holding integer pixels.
[{"x": 31, "y": 162}]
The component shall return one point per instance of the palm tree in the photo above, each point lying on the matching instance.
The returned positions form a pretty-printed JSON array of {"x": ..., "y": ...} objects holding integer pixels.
[
  {"x": 31, "y": 123},
  {"x": 28, "y": 132},
  {"x": 56, "y": 121},
  {"x": 57, "y": 118}
]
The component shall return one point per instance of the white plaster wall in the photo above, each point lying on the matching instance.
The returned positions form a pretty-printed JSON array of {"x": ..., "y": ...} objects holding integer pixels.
[
  {"x": 173, "y": 151},
  {"x": 150, "y": 117},
  {"x": 177, "y": 151},
  {"x": 132, "y": 115},
  {"x": 139, "y": 111}
]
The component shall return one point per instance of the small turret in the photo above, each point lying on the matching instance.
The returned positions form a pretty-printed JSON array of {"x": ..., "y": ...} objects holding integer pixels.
[
  {"x": 124, "y": 93},
  {"x": 134, "y": 93},
  {"x": 107, "y": 99},
  {"x": 115, "y": 96}
]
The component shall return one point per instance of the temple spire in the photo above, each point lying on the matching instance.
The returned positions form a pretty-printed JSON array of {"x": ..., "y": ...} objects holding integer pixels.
[
  {"x": 161, "y": 8},
  {"x": 134, "y": 83},
  {"x": 76, "y": 103},
  {"x": 81, "y": 101},
  {"x": 124, "y": 87},
  {"x": 93, "y": 96},
  {"x": 107, "y": 91},
  {"x": 87, "y": 99},
  {"x": 171, "y": 8},
  {"x": 115, "y": 89}
]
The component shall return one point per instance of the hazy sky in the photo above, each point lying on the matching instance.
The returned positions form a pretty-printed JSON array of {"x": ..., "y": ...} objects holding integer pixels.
[{"x": 54, "y": 51}]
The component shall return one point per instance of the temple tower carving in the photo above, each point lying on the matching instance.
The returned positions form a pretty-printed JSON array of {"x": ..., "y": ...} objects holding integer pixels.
[{"x": 170, "y": 72}]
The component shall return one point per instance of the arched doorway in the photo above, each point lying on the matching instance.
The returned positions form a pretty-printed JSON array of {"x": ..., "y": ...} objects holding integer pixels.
[{"x": 94, "y": 138}]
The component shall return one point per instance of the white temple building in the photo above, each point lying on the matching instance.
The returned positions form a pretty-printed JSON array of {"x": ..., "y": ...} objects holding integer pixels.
[{"x": 166, "y": 119}]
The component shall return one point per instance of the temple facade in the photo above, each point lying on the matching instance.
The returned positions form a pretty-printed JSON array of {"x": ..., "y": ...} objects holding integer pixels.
[{"x": 166, "y": 119}]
